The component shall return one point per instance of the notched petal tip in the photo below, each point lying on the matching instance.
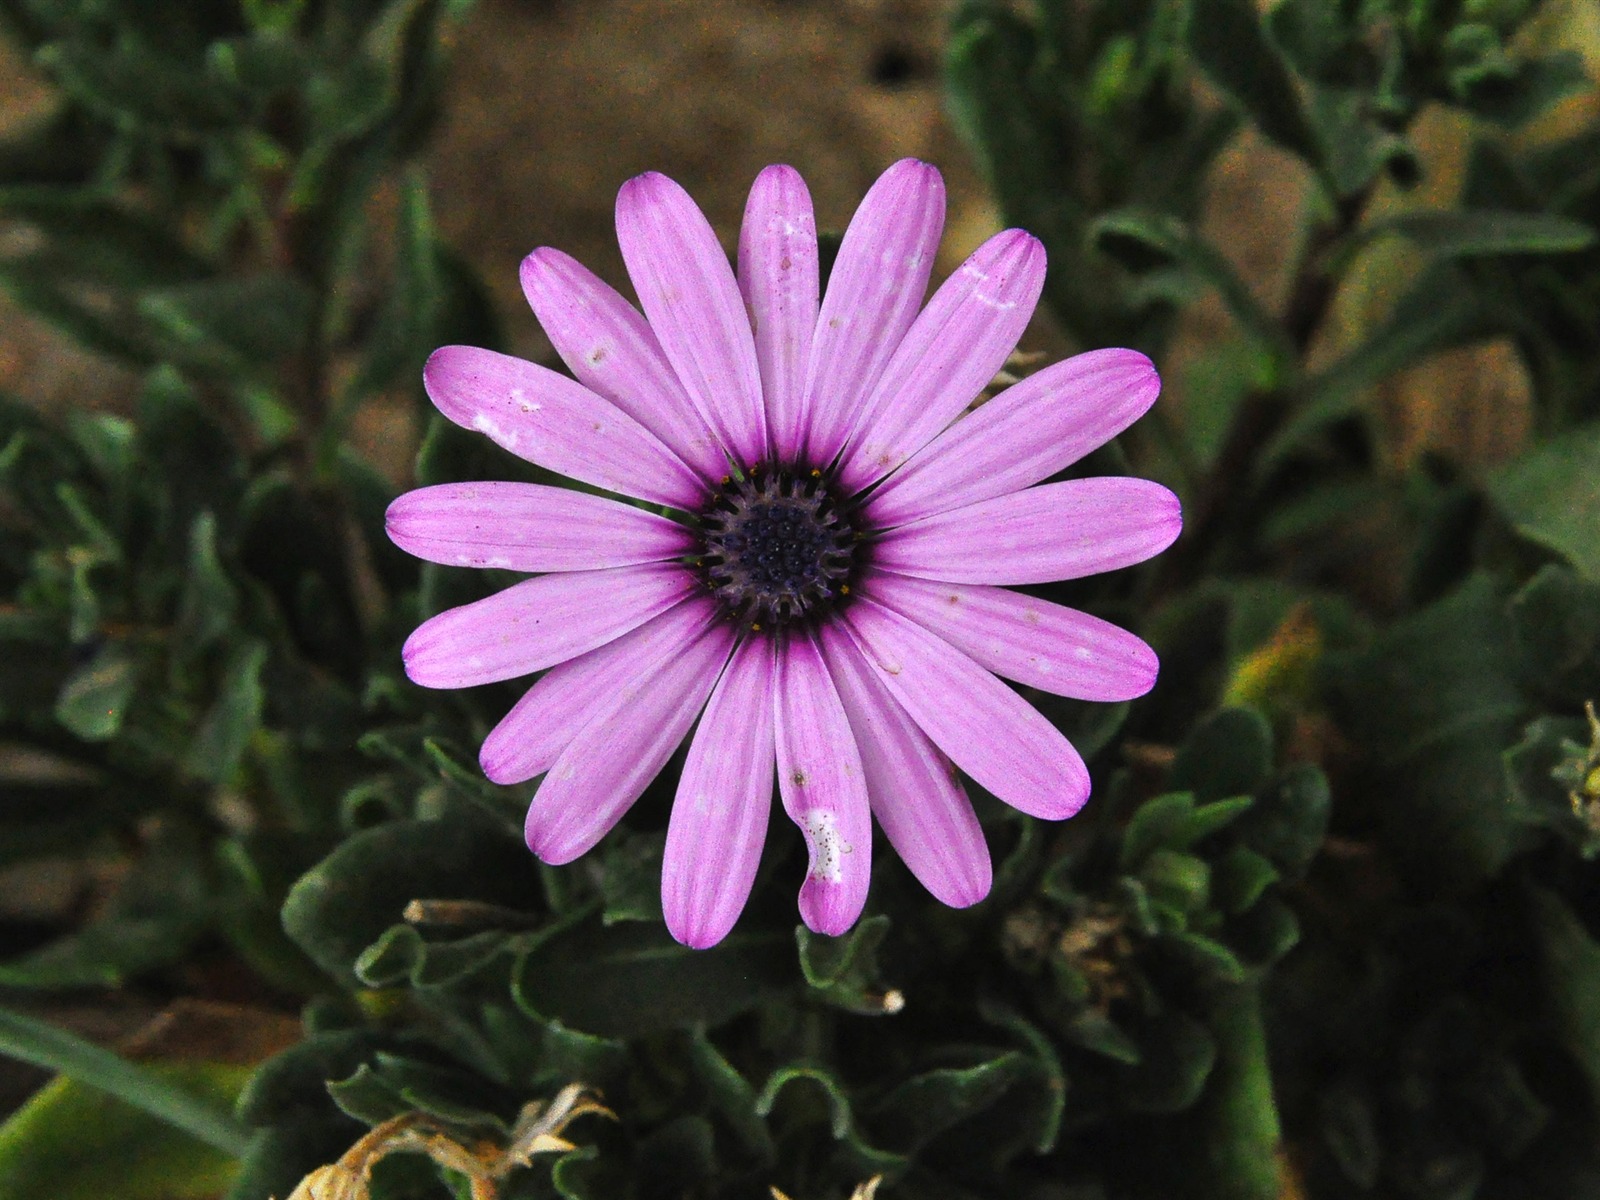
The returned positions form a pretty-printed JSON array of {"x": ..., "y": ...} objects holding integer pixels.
[
  {"x": 827, "y": 908},
  {"x": 548, "y": 845},
  {"x": 1139, "y": 374},
  {"x": 1169, "y": 516},
  {"x": 497, "y": 768},
  {"x": 647, "y": 188},
  {"x": 910, "y": 165},
  {"x": 416, "y": 657},
  {"x": 696, "y": 930},
  {"x": 394, "y": 518},
  {"x": 539, "y": 266},
  {"x": 441, "y": 365},
  {"x": 966, "y": 892},
  {"x": 1015, "y": 241},
  {"x": 915, "y": 176},
  {"x": 1074, "y": 794},
  {"x": 1139, "y": 675},
  {"x": 779, "y": 175}
]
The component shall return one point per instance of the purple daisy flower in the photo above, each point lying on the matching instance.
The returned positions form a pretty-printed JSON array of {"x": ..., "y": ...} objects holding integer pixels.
[{"x": 827, "y": 590}]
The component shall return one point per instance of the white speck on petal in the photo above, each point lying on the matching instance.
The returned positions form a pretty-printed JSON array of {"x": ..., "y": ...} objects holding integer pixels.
[
  {"x": 827, "y": 847},
  {"x": 486, "y": 424}
]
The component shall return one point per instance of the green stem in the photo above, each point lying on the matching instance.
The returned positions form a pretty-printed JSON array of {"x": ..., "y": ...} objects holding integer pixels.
[
  {"x": 45, "y": 1045},
  {"x": 1243, "y": 1151}
]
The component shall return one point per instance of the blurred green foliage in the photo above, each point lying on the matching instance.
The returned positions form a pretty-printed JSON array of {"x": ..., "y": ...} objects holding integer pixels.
[{"x": 1329, "y": 928}]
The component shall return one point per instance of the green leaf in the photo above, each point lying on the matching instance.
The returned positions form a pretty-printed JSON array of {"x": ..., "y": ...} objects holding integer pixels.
[
  {"x": 628, "y": 979},
  {"x": 72, "y": 1141},
  {"x": 298, "y": 1126},
  {"x": 225, "y": 731},
  {"x": 293, "y": 1083},
  {"x": 159, "y": 911},
  {"x": 1545, "y": 771},
  {"x": 262, "y": 66},
  {"x": 630, "y": 885},
  {"x": 1047, "y": 1063},
  {"x": 1354, "y": 147},
  {"x": 845, "y": 969},
  {"x": 1177, "y": 881},
  {"x": 1549, "y": 496},
  {"x": 841, "y": 1119},
  {"x": 182, "y": 442},
  {"x": 1349, "y": 1131},
  {"x": 1205, "y": 957},
  {"x": 917, "y": 1111},
  {"x": 1228, "y": 753},
  {"x": 1441, "y": 311},
  {"x": 403, "y": 955},
  {"x": 1227, "y": 39},
  {"x": 464, "y": 775},
  {"x": 1555, "y": 621},
  {"x": 209, "y": 603},
  {"x": 1241, "y": 878},
  {"x": 54, "y": 1049},
  {"x": 89, "y": 238},
  {"x": 1141, "y": 239},
  {"x": 92, "y": 325},
  {"x": 1153, "y": 823},
  {"x": 402, "y": 337},
  {"x": 135, "y": 84},
  {"x": 731, "y": 1094},
  {"x": 1289, "y": 820},
  {"x": 94, "y": 701},
  {"x": 1532, "y": 87},
  {"x": 1435, "y": 702},
  {"x": 1572, "y": 977},
  {"x": 1176, "y": 1056},
  {"x": 392, "y": 1084},
  {"x": 229, "y": 324},
  {"x": 1470, "y": 233},
  {"x": 345, "y": 903},
  {"x": 1264, "y": 933},
  {"x": 567, "y": 1054},
  {"x": 1096, "y": 1031}
]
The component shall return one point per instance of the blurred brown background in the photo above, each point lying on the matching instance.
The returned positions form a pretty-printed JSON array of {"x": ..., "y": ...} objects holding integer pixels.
[{"x": 554, "y": 103}]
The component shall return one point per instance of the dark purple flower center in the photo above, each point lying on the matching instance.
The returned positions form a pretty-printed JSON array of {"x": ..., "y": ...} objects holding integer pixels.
[{"x": 779, "y": 548}]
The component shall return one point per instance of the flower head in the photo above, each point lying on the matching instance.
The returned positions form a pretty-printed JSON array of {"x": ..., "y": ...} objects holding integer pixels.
[{"x": 819, "y": 570}]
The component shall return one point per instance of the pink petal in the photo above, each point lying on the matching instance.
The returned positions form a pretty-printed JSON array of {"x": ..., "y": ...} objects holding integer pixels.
[
  {"x": 1053, "y": 531},
  {"x": 948, "y": 356},
  {"x": 687, "y": 289},
  {"x": 988, "y": 730},
  {"x": 539, "y": 622},
  {"x": 1043, "y": 645},
  {"x": 530, "y": 737},
  {"x": 877, "y": 283},
  {"x": 912, "y": 787},
  {"x": 823, "y": 788},
  {"x": 613, "y": 351},
  {"x": 1027, "y": 433},
  {"x": 550, "y": 420},
  {"x": 616, "y": 755},
  {"x": 719, "y": 819},
  {"x": 529, "y": 527},
  {"x": 778, "y": 276}
]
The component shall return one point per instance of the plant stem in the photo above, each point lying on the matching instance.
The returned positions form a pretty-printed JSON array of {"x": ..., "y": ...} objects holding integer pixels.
[
  {"x": 1222, "y": 501},
  {"x": 1242, "y": 1137}
]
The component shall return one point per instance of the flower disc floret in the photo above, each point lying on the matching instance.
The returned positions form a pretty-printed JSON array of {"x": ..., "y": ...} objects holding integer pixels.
[{"x": 778, "y": 548}]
